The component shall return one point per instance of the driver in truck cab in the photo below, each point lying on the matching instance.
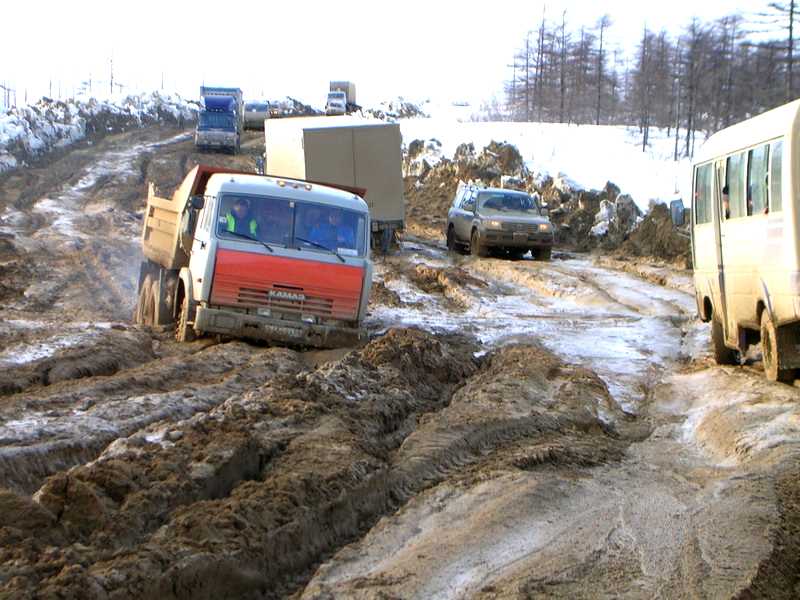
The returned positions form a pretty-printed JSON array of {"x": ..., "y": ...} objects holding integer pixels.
[{"x": 239, "y": 220}]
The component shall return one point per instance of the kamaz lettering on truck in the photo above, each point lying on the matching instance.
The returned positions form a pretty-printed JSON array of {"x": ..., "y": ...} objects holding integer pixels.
[{"x": 256, "y": 257}]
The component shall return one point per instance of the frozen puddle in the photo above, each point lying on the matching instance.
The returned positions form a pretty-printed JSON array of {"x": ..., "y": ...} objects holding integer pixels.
[
  {"x": 636, "y": 332},
  {"x": 28, "y": 352}
]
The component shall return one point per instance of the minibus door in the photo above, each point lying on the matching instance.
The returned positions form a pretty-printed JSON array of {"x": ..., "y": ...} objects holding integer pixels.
[{"x": 719, "y": 221}]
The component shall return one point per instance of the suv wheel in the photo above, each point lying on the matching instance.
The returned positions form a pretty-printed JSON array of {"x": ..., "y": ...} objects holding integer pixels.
[
  {"x": 451, "y": 239},
  {"x": 475, "y": 246}
]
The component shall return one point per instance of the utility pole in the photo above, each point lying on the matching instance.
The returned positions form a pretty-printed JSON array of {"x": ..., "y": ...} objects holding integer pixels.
[{"x": 111, "y": 79}]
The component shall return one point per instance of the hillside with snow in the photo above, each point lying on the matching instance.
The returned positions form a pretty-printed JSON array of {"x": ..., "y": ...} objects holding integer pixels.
[
  {"x": 586, "y": 156},
  {"x": 27, "y": 132}
]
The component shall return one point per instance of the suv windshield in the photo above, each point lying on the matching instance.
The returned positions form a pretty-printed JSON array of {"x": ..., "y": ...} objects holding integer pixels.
[
  {"x": 216, "y": 120},
  {"x": 256, "y": 107},
  {"x": 282, "y": 222},
  {"x": 507, "y": 203}
]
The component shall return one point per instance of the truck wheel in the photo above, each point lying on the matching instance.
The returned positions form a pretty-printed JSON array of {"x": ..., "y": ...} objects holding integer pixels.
[
  {"x": 451, "y": 239},
  {"x": 145, "y": 313},
  {"x": 771, "y": 352},
  {"x": 183, "y": 331},
  {"x": 722, "y": 354},
  {"x": 544, "y": 253},
  {"x": 475, "y": 246}
]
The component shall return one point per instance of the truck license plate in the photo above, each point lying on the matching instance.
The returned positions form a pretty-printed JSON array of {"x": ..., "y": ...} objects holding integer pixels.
[{"x": 520, "y": 237}]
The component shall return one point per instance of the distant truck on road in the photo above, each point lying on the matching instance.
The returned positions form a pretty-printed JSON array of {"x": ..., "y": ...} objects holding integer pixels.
[
  {"x": 257, "y": 257},
  {"x": 341, "y": 98},
  {"x": 221, "y": 119},
  {"x": 351, "y": 152}
]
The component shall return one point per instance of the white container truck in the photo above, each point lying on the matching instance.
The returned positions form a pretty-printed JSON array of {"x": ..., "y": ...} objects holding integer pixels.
[
  {"x": 352, "y": 152},
  {"x": 341, "y": 98}
]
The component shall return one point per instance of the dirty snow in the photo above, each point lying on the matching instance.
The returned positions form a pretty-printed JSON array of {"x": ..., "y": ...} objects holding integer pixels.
[
  {"x": 29, "y": 131},
  {"x": 569, "y": 153}
]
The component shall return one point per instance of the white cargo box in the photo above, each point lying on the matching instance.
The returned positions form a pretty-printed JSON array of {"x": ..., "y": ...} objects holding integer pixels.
[{"x": 347, "y": 151}]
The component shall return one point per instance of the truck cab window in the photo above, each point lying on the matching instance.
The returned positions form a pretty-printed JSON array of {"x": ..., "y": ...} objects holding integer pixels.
[
  {"x": 757, "y": 163},
  {"x": 334, "y": 228},
  {"x": 702, "y": 194},
  {"x": 775, "y": 177},
  {"x": 735, "y": 182}
]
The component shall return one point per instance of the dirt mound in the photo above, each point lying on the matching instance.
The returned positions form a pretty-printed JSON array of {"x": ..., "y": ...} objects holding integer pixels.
[
  {"x": 431, "y": 181},
  {"x": 102, "y": 354},
  {"x": 657, "y": 237},
  {"x": 244, "y": 498}
]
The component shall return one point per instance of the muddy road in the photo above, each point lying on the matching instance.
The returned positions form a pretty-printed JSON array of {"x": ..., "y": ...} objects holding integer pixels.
[{"x": 513, "y": 429}]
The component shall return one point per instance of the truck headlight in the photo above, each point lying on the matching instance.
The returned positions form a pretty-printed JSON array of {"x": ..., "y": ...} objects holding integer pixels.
[
  {"x": 493, "y": 224},
  {"x": 545, "y": 227}
]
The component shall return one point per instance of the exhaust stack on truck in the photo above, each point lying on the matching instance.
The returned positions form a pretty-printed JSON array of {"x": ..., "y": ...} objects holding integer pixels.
[
  {"x": 249, "y": 256},
  {"x": 351, "y": 152}
]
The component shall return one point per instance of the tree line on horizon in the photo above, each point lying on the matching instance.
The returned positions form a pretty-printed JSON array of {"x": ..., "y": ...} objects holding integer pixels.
[{"x": 707, "y": 77}]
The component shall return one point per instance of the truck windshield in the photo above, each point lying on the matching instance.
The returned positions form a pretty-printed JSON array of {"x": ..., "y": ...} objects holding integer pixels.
[
  {"x": 507, "y": 203},
  {"x": 280, "y": 222},
  {"x": 216, "y": 120}
]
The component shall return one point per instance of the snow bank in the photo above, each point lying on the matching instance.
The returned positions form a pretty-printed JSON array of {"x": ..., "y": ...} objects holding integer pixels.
[
  {"x": 30, "y": 131},
  {"x": 577, "y": 156}
]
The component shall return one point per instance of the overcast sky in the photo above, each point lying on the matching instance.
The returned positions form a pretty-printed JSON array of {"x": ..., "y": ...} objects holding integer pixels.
[{"x": 419, "y": 49}]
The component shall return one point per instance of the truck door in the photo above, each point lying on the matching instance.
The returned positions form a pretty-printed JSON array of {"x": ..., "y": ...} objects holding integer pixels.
[
  {"x": 202, "y": 252},
  {"x": 722, "y": 302},
  {"x": 465, "y": 216}
]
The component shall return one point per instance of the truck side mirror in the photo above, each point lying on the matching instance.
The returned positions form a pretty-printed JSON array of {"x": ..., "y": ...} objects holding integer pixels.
[
  {"x": 197, "y": 202},
  {"x": 544, "y": 211}
]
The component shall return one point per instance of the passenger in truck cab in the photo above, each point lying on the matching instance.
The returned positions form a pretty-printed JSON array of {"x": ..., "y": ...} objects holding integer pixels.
[
  {"x": 239, "y": 220},
  {"x": 331, "y": 232},
  {"x": 275, "y": 222}
]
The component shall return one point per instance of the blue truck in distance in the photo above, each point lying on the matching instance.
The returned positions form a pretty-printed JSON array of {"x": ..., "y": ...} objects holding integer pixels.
[{"x": 221, "y": 120}]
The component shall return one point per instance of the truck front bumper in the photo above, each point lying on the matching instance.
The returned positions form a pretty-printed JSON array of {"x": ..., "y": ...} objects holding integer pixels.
[
  {"x": 507, "y": 239},
  {"x": 215, "y": 141},
  {"x": 245, "y": 325}
]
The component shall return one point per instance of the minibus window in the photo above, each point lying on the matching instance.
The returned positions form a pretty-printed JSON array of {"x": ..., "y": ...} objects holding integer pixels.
[
  {"x": 757, "y": 164},
  {"x": 775, "y": 174},
  {"x": 735, "y": 181},
  {"x": 702, "y": 194}
]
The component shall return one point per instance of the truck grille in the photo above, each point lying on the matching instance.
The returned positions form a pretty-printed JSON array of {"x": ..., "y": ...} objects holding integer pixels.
[
  {"x": 521, "y": 227},
  {"x": 287, "y": 299}
]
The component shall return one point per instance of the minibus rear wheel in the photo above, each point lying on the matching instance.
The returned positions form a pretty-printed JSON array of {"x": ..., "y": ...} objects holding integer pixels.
[
  {"x": 771, "y": 351},
  {"x": 722, "y": 354}
]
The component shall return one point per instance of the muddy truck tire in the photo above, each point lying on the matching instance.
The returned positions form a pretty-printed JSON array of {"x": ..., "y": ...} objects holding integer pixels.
[
  {"x": 771, "y": 352},
  {"x": 722, "y": 354},
  {"x": 476, "y": 248},
  {"x": 154, "y": 305},
  {"x": 184, "y": 330}
]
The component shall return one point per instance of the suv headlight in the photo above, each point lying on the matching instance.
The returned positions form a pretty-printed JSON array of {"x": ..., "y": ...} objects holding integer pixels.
[
  {"x": 493, "y": 224},
  {"x": 545, "y": 227}
]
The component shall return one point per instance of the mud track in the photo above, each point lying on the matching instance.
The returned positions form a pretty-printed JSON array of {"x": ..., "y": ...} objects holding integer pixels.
[{"x": 514, "y": 429}]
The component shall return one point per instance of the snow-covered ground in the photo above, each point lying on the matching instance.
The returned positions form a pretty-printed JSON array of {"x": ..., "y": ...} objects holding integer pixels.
[
  {"x": 30, "y": 131},
  {"x": 587, "y": 155}
]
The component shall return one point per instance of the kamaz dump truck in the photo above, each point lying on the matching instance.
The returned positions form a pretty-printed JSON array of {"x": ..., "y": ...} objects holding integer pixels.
[
  {"x": 347, "y": 151},
  {"x": 250, "y": 256}
]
